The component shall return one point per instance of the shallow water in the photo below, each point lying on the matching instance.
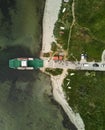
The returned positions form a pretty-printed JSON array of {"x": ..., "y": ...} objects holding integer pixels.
[
  {"x": 24, "y": 95},
  {"x": 26, "y": 105}
]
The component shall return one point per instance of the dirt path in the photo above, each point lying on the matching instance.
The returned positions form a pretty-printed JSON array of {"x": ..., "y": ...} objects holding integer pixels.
[
  {"x": 59, "y": 96},
  {"x": 48, "y": 25},
  {"x": 71, "y": 26},
  {"x": 50, "y": 17},
  {"x": 103, "y": 56}
]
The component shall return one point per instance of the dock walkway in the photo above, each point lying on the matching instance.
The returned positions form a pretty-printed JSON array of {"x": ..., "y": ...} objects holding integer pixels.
[{"x": 82, "y": 65}]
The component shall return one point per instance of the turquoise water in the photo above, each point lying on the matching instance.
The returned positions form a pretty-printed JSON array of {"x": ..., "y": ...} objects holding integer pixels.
[{"x": 25, "y": 96}]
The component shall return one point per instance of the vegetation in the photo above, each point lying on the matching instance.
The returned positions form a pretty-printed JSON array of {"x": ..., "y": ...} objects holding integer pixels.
[
  {"x": 83, "y": 41},
  {"x": 54, "y": 47},
  {"x": 87, "y": 96},
  {"x": 94, "y": 21},
  {"x": 54, "y": 72},
  {"x": 85, "y": 90},
  {"x": 88, "y": 32},
  {"x": 64, "y": 20},
  {"x": 46, "y": 54}
]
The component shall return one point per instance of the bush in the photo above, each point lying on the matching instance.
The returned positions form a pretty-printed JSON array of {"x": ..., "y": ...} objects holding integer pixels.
[
  {"x": 53, "y": 46},
  {"x": 54, "y": 72}
]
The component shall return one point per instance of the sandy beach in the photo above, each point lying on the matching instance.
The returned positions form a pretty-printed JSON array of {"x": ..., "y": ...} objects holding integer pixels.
[
  {"x": 51, "y": 11},
  {"x": 59, "y": 96},
  {"x": 50, "y": 16}
]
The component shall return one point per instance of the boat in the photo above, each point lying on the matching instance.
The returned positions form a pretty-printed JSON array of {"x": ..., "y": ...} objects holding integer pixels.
[{"x": 25, "y": 63}]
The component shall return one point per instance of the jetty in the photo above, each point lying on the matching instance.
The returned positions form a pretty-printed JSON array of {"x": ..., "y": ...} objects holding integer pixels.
[{"x": 31, "y": 63}]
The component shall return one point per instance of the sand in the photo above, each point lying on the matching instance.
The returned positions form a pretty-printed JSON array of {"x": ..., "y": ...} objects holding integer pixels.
[
  {"x": 60, "y": 97},
  {"x": 50, "y": 17},
  {"x": 51, "y": 11}
]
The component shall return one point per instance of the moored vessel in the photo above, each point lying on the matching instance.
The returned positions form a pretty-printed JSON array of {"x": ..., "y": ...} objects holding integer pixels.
[{"x": 25, "y": 63}]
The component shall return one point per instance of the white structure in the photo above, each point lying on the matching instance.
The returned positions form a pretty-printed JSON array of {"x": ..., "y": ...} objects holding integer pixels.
[
  {"x": 82, "y": 57},
  {"x": 66, "y": 0},
  {"x": 62, "y": 28},
  {"x": 24, "y": 63},
  {"x": 64, "y": 9}
]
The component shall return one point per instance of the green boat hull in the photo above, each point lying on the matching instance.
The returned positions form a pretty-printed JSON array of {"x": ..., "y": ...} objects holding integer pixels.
[{"x": 30, "y": 63}]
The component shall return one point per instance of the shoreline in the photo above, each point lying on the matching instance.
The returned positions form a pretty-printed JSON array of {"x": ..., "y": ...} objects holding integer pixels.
[{"x": 49, "y": 18}]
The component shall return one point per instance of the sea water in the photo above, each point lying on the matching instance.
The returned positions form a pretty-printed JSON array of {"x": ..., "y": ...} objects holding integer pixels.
[{"x": 25, "y": 96}]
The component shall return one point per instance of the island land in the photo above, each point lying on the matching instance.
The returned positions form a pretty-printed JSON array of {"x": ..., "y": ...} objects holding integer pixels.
[
  {"x": 78, "y": 30},
  {"x": 24, "y": 95},
  {"x": 57, "y": 81}
]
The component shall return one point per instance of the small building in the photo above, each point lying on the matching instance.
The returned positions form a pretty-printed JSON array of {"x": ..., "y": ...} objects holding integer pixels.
[
  {"x": 82, "y": 57},
  {"x": 60, "y": 57},
  {"x": 55, "y": 58}
]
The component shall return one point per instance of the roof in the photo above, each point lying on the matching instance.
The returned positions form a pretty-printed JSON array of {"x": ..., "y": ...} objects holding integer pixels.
[
  {"x": 60, "y": 57},
  {"x": 24, "y": 63},
  {"x": 55, "y": 58}
]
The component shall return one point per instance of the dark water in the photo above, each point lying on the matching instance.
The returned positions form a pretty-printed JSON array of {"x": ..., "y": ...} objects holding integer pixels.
[{"x": 25, "y": 96}]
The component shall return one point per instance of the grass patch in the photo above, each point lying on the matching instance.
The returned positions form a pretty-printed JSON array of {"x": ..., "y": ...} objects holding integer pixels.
[
  {"x": 54, "y": 72},
  {"x": 85, "y": 90},
  {"x": 46, "y": 54},
  {"x": 88, "y": 32},
  {"x": 83, "y": 41},
  {"x": 87, "y": 96},
  {"x": 64, "y": 20},
  {"x": 54, "y": 47},
  {"x": 90, "y": 13}
]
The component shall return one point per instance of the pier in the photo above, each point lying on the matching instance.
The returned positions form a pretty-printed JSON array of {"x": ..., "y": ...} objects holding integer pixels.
[{"x": 77, "y": 65}]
